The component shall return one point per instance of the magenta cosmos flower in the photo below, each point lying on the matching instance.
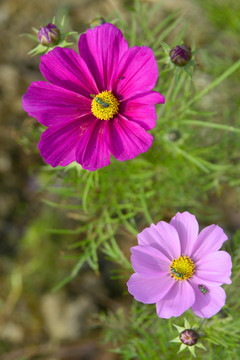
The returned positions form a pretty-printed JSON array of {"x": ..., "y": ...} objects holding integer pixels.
[
  {"x": 97, "y": 103},
  {"x": 177, "y": 268}
]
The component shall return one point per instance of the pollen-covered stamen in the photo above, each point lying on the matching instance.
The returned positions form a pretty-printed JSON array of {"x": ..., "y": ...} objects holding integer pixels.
[
  {"x": 182, "y": 268},
  {"x": 104, "y": 105}
]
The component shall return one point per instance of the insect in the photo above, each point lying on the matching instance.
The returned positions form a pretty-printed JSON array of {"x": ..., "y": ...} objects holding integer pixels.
[
  {"x": 121, "y": 78},
  {"x": 100, "y": 101},
  {"x": 177, "y": 274},
  {"x": 203, "y": 289}
]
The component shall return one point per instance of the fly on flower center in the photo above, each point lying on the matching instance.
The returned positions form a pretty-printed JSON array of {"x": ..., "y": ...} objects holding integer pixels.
[
  {"x": 104, "y": 105},
  {"x": 182, "y": 268}
]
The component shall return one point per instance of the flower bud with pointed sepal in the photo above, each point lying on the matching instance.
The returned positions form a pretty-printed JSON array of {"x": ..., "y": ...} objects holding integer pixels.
[
  {"x": 49, "y": 35},
  {"x": 96, "y": 22},
  {"x": 174, "y": 135},
  {"x": 188, "y": 337},
  {"x": 180, "y": 55}
]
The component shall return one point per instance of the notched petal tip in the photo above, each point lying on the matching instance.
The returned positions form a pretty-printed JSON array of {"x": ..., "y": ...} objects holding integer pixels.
[{"x": 187, "y": 227}]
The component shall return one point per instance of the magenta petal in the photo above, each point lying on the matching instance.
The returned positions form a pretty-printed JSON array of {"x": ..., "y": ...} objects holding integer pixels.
[
  {"x": 149, "y": 291},
  {"x": 149, "y": 262},
  {"x": 65, "y": 68},
  {"x": 145, "y": 116},
  {"x": 147, "y": 98},
  {"x": 163, "y": 237},
  {"x": 187, "y": 228},
  {"x": 54, "y": 106},
  {"x": 180, "y": 298},
  {"x": 207, "y": 305},
  {"x": 127, "y": 139},
  {"x": 58, "y": 142},
  {"x": 101, "y": 49},
  {"x": 209, "y": 240},
  {"x": 141, "y": 109},
  {"x": 137, "y": 73},
  {"x": 69, "y": 158},
  {"x": 215, "y": 267},
  {"x": 92, "y": 152}
]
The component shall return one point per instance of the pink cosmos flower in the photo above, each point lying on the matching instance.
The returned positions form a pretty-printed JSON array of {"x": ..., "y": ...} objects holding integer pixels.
[
  {"x": 177, "y": 268},
  {"x": 97, "y": 103}
]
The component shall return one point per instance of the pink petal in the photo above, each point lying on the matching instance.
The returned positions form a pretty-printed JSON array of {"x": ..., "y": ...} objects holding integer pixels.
[
  {"x": 92, "y": 151},
  {"x": 215, "y": 267},
  {"x": 163, "y": 237},
  {"x": 141, "y": 109},
  {"x": 180, "y": 298},
  {"x": 187, "y": 228},
  {"x": 137, "y": 73},
  {"x": 149, "y": 291},
  {"x": 101, "y": 49},
  {"x": 149, "y": 262},
  {"x": 58, "y": 142},
  {"x": 207, "y": 282},
  {"x": 54, "y": 106},
  {"x": 65, "y": 68},
  {"x": 127, "y": 139},
  {"x": 209, "y": 240},
  {"x": 207, "y": 305}
]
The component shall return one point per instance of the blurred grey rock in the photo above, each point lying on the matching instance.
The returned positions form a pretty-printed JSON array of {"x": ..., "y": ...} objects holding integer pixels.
[
  {"x": 12, "y": 332},
  {"x": 5, "y": 162},
  {"x": 4, "y": 15},
  {"x": 9, "y": 81},
  {"x": 66, "y": 319},
  {"x": 7, "y": 202}
]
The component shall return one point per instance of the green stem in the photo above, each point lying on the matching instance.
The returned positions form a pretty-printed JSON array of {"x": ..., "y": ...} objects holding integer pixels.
[
  {"x": 168, "y": 95},
  {"x": 216, "y": 82}
]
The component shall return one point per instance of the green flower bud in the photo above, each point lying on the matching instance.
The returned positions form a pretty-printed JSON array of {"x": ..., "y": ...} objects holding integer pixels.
[
  {"x": 96, "y": 22},
  {"x": 174, "y": 135}
]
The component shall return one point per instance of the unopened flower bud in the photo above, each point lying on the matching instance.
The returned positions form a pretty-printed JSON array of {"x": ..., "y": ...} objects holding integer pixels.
[
  {"x": 180, "y": 55},
  {"x": 49, "y": 35},
  {"x": 96, "y": 22},
  {"x": 188, "y": 337},
  {"x": 174, "y": 135}
]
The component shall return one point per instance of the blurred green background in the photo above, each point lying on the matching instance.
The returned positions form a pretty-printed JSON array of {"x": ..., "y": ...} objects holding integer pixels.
[{"x": 36, "y": 322}]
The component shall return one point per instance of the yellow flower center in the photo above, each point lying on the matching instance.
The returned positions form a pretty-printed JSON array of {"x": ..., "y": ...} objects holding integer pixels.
[
  {"x": 104, "y": 105},
  {"x": 182, "y": 268}
]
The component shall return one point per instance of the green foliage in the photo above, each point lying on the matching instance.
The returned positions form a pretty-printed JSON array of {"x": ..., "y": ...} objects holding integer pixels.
[
  {"x": 176, "y": 174},
  {"x": 140, "y": 334},
  {"x": 172, "y": 175},
  {"x": 223, "y": 13}
]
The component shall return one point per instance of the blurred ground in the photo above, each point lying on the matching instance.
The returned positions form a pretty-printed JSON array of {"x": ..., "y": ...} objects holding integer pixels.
[
  {"x": 40, "y": 325},
  {"x": 35, "y": 323}
]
